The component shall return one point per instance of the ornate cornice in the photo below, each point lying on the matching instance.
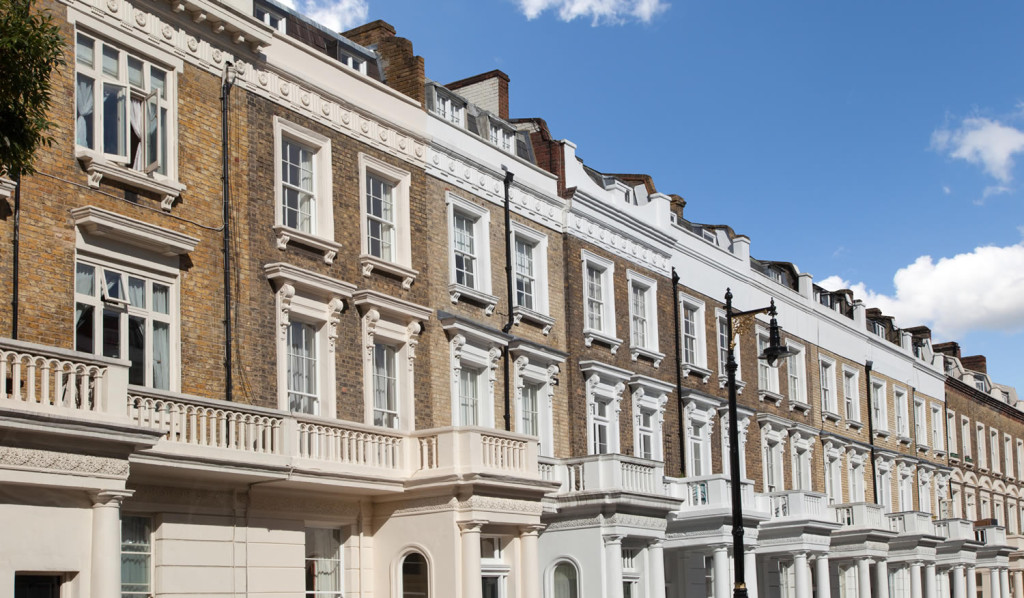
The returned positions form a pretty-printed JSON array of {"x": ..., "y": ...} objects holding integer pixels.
[{"x": 56, "y": 461}]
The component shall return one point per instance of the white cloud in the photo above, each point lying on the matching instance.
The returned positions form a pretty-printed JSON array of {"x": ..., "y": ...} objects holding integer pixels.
[
  {"x": 598, "y": 11},
  {"x": 980, "y": 290},
  {"x": 946, "y": 189},
  {"x": 983, "y": 142},
  {"x": 336, "y": 15}
]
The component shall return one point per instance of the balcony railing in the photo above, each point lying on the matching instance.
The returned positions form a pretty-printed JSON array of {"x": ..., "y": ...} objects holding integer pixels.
[
  {"x": 476, "y": 450},
  {"x": 912, "y": 523},
  {"x": 55, "y": 381},
  {"x": 990, "y": 535},
  {"x": 713, "y": 492},
  {"x": 954, "y": 529},
  {"x": 799, "y": 504},
  {"x": 860, "y": 514},
  {"x": 598, "y": 473}
]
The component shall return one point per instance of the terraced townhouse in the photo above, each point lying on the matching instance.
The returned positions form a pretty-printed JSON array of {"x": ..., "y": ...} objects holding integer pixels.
[{"x": 290, "y": 318}]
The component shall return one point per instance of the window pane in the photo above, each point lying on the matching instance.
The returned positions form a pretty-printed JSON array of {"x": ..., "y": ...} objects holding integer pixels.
[
  {"x": 137, "y": 350},
  {"x": 85, "y": 50},
  {"x": 161, "y": 355},
  {"x": 84, "y": 328},
  {"x": 114, "y": 119},
  {"x": 111, "y": 62},
  {"x": 113, "y": 284},
  {"x": 85, "y": 111},
  {"x": 135, "y": 72},
  {"x": 565, "y": 582},
  {"x": 161, "y": 298},
  {"x": 111, "y": 334},
  {"x": 302, "y": 368},
  {"x": 85, "y": 278},
  {"x": 137, "y": 292}
]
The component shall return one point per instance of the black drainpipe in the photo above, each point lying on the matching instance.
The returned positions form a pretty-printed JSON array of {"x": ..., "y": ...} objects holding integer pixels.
[
  {"x": 225, "y": 89},
  {"x": 508, "y": 276},
  {"x": 871, "y": 429},
  {"x": 15, "y": 261},
  {"x": 679, "y": 372}
]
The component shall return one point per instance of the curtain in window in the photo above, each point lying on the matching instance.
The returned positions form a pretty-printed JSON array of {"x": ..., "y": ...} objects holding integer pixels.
[
  {"x": 84, "y": 106},
  {"x": 137, "y": 292},
  {"x": 565, "y": 583},
  {"x": 85, "y": 277},
  {"x": 136, "y": 139},
  {"x": 161, "y": 355}
]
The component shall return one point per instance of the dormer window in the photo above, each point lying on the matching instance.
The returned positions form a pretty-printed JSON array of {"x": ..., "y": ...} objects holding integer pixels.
[
  {"x": 271, "y": 19},
  {"x": 878, "y": 328},
  {"x": 449, "y": 108},
  {"x": 356, "y": 64},
  {"x": 775, "y": 274},
  {"x": 501, "y": 137},
  {"x": 980, "y": 383}
]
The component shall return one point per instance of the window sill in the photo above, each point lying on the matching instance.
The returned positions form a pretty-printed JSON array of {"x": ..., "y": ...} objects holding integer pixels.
[
  {"x": 6, "y": 188},
  {"x": 654, "y": 356},
  {"x": 882, "y": 433},
  {"x": 903, "y": 440},
  {"x": 923, "y": 448},
  {"x": 461, "y": 292},
  {"x": 767, "y": 395},
  {"x": 369, "y": 263},
  {"x": 723, "y": 381},
  {"x": 852, "y": 424},
  {"x": 704, "y": 373},
  {"x": 831, "y": 416},
  {"x": 799, "y": 406},
  {"x": 589, "y": 336},
  {"x": 286, "y": 234},
  {"x": 97, "y": 167},
  {"x": 524, "y": 314}
]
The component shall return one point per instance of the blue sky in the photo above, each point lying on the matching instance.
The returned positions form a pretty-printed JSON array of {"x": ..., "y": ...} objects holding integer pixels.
[{"x": 871, "y": 143}]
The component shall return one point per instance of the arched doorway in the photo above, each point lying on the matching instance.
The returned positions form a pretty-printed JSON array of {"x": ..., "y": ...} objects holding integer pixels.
[{"x": 415, "y": 576}]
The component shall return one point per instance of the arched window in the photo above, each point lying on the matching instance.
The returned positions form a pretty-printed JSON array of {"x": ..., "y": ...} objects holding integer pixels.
[
  {"x": 565, "y": 582},
  {"x": 415, "y": 576}
]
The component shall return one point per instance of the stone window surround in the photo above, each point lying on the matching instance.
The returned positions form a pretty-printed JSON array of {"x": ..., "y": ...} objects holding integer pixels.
[
  {"x": 855, "y": 422},
  {"x": 773, "y": 393},
  {"x": 699, "y": 411},
  {"x": 746, "y": 416},
  {"x": 723, "y": 376},
  {"x": 540, "y": 314},
  {"x": 321, "y": 237},
  {"x": 477, "y": 347},
  {"x": 606, "y": 335},
  {"x": 315, "y": 299},
  {"x": 535, "y": 364},
  {"x": 398, "y": 323},
  {"x": 829, "y": 411},
  {"x": 604, "y": 383},
  {"x": 699, "y": 367},
  {"x": 401, "y": 266},
  {"x": 651, "y": 395},
  {"x": 651, "y": 349},
  {"x": 801, "y": 359},
  {"x": 481, "y": 291}
]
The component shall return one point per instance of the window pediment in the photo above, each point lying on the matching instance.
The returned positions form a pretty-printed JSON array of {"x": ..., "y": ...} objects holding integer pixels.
[{"x": 101, "y": 223}]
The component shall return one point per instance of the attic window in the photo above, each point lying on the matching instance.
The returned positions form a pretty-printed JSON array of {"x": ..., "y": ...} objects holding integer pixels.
[
  {"x": 449, "y": 108},
  {"x": 826, "y": 299},
  {"x": 775, "y": 274},
  {"x": 356, "y": 64},
  {"x": 271, "y": 19},
  {"x": 501, "y": 137},
  {"x": 878, "y": 328},
  {"x": 980, "y": 384}
]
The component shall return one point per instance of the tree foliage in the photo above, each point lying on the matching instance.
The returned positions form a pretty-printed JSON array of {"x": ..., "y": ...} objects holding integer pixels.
[{"x": 31, "y": 47}]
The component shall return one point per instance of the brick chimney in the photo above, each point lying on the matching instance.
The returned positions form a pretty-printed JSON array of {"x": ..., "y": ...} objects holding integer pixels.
[
  {"x": 952, "y": 348},
  {"x": 975, "y": 363},
  {"x": 403, "y": 70},
  {"x": 487, "y": 90}
]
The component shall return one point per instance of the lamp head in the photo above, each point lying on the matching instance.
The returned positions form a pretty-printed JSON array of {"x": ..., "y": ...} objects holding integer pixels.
[{"x": 775, "y": 352}]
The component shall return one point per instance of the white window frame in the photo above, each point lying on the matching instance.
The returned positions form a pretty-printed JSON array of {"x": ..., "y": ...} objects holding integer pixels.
[
  {"x": 538, "y": 314},
  {"x": 400, "y": 264},
  {"x": 449, "y": 108},
  {"x": 538, "y": 368},
  {"x": 1008, "y": 455},
  {"x": 650, "y": 348},
  {"x": 603, "y": 384},
  {"x": 905, "y": 486},
  {"x": 320, "y": 235},
  {"x": 494, "y": 565},
  {"x": 698, "y": 419},
  {"x": 767, "y": 376},
  {"x": 480, "y": 217},
  {"x": 271, "y": 19},
  {"x": 979, "y": 433},
  {"x": 396, "y": 323},
  {"x": 855, "y": 483},
  {"x": 150, "y": 272},
  {"x": 477, "y": 350},
  {"x": 721, "y": 326},
  {"x": 951, "y": 443},
  {"x": 336, "y": 560},
  {"x": 801, "y": 455},
  {"x": 695, "y": 360},
  {"x": 851, "y": 395},
  {"x": 95, "y": 161},
  {"x": 884, "y": 475},
  {"x": 879, "y": 402},
  {"x": 317, "y": 300},
  {"x": 1020, "y": 459},
  {"x": 833, "y": 476},
  {"x": 920, "y": 422},
  {"x": 966, "y": 434},
  {"x": 501, "y": 136},
  {"x": 605, "y": 270},
  {"x": 828, "y": 388},
  {"x": 938, "y": 437},
  {"x": 649, "y": 400},
  {"x": 993, "y": 447},
  {"x": 145, "y": 549},
  {"x": 796, "y": 376},
  {"x": 773, "y": 451},
  {"x": 901, "y": 398}
]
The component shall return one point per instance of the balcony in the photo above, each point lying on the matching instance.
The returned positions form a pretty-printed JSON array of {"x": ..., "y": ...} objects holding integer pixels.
[
  {"x": 605, "y": 473},
  {"x": 955, "y": 529},
  {"x": 196, "y": 434},
  {"x": 912, "y": 523},
  {"x": 714, "y": 492},
  {"x": 860, "y": 515},
  {"x": 990, "y": 535},
  {"x": 799, "y": 504}
]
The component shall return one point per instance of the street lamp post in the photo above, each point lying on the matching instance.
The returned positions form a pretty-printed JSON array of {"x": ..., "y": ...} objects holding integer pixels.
[{"x": 773, "y": 353}]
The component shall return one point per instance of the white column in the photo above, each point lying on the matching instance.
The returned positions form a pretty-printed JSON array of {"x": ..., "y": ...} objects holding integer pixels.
[
  {"x": 882, "y": 579},
  {"x": 720, "y": 563},
  {"x": 1018, "y": 584},
  {"x": 750, "y": 571},
  {"x": 929, "y": 581},
  {"x": 993, "y": 582},
  {"x": 656, "y": 558},
  {"x": 613, "y": 566},
  {"x": 531, "y": 560},
  {"x": 471, "y": 584},
  {"x": 864, "y": 578},
  {"x": 959, "y": 589},
  {"x": 972, "y": 582},
  {"x": 105, "y": 572},
  {"x": 915, "y": 580},
  {"x": 1004, "y": 582},
  {"x": 822, "y": 580},
  {"x": 803, "y": 575}
]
